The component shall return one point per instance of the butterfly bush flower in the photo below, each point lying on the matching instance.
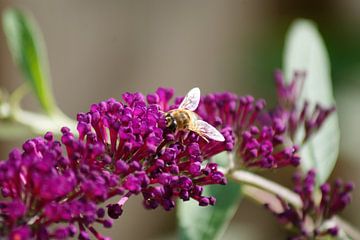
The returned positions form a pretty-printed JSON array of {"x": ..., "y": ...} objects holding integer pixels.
[
  {"x": 53, "y": 189},
  {"x": 318, "y": 207},
  {"x": 33, "y": 183},
  {"x": 294, "y": 113},
  {"x": 265, "y": 139}
]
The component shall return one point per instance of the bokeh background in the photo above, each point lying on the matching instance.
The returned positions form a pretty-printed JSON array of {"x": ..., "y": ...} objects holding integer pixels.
[{"x": 99, "y": 49}]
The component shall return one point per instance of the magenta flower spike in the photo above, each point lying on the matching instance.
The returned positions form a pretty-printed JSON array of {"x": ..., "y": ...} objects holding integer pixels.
[
  {"x": 308, "y": 221},
  {"x": 296, "y": 114},
  {"x": 52, "y": 189},
  {"x": 123, "y": 149}
]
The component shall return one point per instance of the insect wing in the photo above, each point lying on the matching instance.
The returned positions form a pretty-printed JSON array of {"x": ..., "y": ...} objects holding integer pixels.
[
  {"x": 191, "y": 100},
  {"x": 209, "y": 131}
]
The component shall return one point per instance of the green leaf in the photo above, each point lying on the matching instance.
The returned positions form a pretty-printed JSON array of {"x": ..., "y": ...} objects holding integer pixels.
[
  {"x": 28, "y": 51},
  {"x": 41, "y": 123},
  {"x": 305, "y": 50},
  {"x": 207, "y": 223}
]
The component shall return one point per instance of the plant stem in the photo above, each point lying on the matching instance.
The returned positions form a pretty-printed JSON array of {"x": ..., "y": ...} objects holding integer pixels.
[
  {"x": 265, "y": 184},
  {"x": 17, "y": 123},
  {"x": 16, "y": 97},
  {"x": 258, "y": 189}
]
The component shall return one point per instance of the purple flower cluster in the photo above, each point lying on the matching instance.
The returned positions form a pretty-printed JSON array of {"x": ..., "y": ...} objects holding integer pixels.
[
  {"x": 265, "y": 139},
  {"x": 52, "y": 189},
  {"x": 259, "y": 143},
  {"x": 316, "y": 210},
  {"x": 34, "y": 183},
  {"x": 123, "y": 149},
  {"x": 294, "y": 113}
]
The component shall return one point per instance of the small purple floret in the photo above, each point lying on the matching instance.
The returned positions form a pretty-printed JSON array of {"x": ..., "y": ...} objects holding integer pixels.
[{"x": 334, "y": 198}]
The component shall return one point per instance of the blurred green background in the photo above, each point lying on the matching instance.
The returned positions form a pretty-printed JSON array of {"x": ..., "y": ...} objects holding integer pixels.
[{"x": 99, "y": 49}]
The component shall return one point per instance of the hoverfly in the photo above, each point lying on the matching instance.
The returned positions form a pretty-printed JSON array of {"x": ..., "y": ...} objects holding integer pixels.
[{"x": 184, "y": 118}]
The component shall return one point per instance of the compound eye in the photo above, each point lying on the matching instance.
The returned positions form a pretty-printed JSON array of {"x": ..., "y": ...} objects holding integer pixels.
[
  {"x": 173, "y": 125},
  {"x": 168, "y": 121}
]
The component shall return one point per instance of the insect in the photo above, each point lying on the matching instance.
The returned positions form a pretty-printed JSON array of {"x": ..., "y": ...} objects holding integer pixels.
[{"x": 184, "y": 118}]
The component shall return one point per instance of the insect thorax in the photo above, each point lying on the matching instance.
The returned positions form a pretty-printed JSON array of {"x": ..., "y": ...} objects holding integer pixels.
[{"x": 178, "y": 119}]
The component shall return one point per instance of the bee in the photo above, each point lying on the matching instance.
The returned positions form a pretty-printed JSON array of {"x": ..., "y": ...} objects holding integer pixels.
[{"x": 184, "y": 118}]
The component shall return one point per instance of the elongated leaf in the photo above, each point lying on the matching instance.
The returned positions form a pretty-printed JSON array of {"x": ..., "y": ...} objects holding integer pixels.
[
  {"x": 207, "y": 223},
  {"x": 28, "y": 52},
  {"x": 196, "y": 222},
  {"x": 305, "y": 50}
]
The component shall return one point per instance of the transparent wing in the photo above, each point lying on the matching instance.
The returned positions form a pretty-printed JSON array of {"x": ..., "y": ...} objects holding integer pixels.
[
  {"x": 191, "y": 100},
  {"x": 209, "y": 131}
]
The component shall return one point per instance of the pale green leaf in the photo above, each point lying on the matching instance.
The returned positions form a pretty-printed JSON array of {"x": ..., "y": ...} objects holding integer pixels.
[
  {"x": 28, "y": 51},
  {"x": 305, "y": 50},
  {"x": 208, "y": 223}
]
